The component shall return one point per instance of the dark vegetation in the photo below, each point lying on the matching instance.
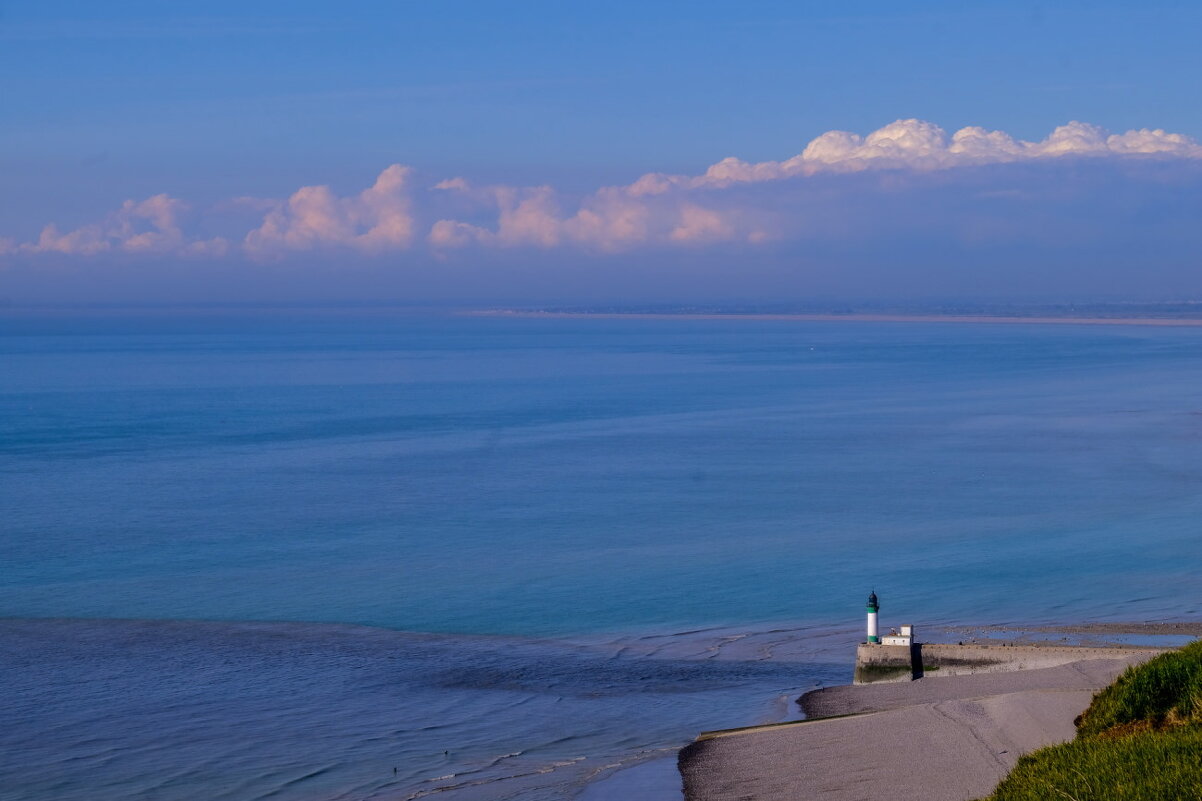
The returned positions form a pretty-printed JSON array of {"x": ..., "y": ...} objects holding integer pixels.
[
  {"x": 1140, "y": 740},
  {"x": 871, "y": 672}
]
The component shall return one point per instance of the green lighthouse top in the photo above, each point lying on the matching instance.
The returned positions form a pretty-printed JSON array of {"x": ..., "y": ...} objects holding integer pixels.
[{"x": 872, "y": 603}]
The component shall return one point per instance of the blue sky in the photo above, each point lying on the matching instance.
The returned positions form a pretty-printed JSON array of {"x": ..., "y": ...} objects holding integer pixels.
[{"x": 222, "y": 109}]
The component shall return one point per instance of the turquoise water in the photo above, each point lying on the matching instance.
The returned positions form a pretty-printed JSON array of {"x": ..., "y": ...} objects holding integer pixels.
[
  {"x": 510, "y": 476},
  {"x": 577, "y": 480}
]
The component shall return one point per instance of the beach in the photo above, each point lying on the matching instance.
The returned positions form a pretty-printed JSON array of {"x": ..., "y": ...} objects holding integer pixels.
[{"x": 950, "y": 738}]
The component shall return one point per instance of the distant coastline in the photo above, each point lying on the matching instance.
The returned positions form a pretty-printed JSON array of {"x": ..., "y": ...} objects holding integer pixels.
[{"x": 1188, "y": 322}]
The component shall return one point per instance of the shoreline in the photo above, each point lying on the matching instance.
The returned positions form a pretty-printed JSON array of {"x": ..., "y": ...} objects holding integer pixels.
[
  {"x": 943, "y": 739},
  {"x": 264, "y": 656},
  {"x": 1161, "y": 322},
  {"x": 936, "y": 738}
]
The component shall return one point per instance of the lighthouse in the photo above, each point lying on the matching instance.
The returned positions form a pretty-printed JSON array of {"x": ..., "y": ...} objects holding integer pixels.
[{"x": 873, "y": 607}]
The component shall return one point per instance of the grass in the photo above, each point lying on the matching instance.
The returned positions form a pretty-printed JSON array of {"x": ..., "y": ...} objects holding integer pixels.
[
  {"x": 1165, "y": 691},
  {"x": 1149, "y": 766},
  {"x": 1140, "y": 740}
]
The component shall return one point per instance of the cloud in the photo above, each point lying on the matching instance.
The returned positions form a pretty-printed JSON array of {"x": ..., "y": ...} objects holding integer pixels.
[
  {"x": 453, "y": 234},
  {"x": 376, "y": 220},
  {"x": 915, "y": 144},
  {"x": 662, "y": 209},
  {"x": 611, "y": 219},
  {"x": 732, "y": 201},
  {"x": 148, "y": 226}
]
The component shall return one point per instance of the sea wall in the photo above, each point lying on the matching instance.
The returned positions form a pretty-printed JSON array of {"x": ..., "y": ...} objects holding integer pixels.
[{"x": 878, "y": 663}]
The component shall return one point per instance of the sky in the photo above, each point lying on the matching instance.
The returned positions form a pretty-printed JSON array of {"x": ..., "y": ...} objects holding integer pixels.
[{"x": 603, "y": 153}]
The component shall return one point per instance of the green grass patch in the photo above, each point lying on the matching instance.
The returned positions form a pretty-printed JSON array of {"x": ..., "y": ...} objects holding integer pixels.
[
  {"x": 1151, "y": 766},
  {"x": 1164, "y": 691}
]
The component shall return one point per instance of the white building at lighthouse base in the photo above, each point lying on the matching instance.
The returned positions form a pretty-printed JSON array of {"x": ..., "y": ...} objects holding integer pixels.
[{"x": 904, "y": 635}]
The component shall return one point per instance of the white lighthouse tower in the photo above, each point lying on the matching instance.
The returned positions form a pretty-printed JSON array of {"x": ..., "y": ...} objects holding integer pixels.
[{"x": 873, "y": 607}]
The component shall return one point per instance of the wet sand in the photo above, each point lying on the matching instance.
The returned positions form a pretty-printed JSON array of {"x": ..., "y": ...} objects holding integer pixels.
[
  {"x": 949, "y": 738},
  {"x": 1169, "y": 628},
  {"x": 656, "y": 780}
]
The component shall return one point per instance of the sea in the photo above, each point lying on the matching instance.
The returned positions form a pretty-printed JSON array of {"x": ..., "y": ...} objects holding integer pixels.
[{"x": 374, "y": 553}]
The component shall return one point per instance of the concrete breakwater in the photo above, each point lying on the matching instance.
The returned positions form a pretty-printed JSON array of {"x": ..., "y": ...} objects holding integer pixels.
[{"x": 888, "y": 663}]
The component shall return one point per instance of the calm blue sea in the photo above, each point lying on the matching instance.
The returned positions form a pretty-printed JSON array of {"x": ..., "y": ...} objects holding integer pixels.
[{"x": 561, "y": 544}]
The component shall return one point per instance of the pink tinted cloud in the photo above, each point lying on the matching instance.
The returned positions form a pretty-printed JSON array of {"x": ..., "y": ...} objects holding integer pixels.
[
  {"x": 376, "y": 220},
  {"x": 656, "y": 210},
  {"x": 148, "y": 226},
  {"x": 664, "y": 209},
  {"x": 613, "y": 218}
]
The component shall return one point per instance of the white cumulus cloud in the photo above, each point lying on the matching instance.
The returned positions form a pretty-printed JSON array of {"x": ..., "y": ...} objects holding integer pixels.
[
  {"x": 916, "y": 144},
  {"x": 378, "y": 219}
]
